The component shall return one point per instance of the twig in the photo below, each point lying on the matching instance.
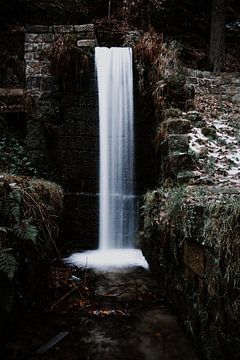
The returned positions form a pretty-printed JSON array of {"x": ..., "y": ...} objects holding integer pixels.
[{"x": 63, "y": 297}]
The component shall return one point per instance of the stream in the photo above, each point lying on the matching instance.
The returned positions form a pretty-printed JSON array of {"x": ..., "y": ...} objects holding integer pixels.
[{"x": 109, "y": 315}]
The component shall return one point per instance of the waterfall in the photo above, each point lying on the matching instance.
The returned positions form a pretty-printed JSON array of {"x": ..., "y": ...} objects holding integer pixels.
[
  {"x": 118, "y": 205},
  {"x": 117, "y": 200}
]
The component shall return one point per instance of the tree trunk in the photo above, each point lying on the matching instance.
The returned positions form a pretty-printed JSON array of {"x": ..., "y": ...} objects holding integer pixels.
[
  {"x": 109, "y": 10},
  {"x": 217, "y": 41}
]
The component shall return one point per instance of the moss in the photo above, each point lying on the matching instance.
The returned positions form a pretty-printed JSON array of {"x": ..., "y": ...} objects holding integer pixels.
[
  {"x": 209, "y": 132},
  {"x": 205, "y": 218}
]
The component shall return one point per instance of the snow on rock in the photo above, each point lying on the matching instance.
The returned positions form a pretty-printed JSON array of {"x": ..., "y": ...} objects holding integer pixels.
[{"x": 219, "y": 155}]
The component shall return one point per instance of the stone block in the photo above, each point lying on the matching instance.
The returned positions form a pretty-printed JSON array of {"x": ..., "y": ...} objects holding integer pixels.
[
  {"x": 48, "y": 38},
  {"x": 81, "y": 35},
  {"x": 30, "y": 47},
  {"x": 186, "y": 176},
  {"x": 177, "y": 126},
  {"x": 192, "y": 80},
  {"x": 89, "y": 35},
  {"x": 33, "y": 38},
  {"x": 180, "y": 162},
  {"x": 193, "y": 257},
  {"x": 87, "y": 99},
  {"x": 81, "y": 209},
  {"x": 33, "y": 82},
  {"x": 236, "y": 98},
  {"x": 178, "y": 143},
  {"x": 232, "y": 89},
  {"x": 63, "y": 28},
  {"x": 45, "y": 47},
  {"x": 49, "y": 83},
  {"x": 85, "y": 27},
  {"x": 87, "y": 143},
  {"x": 37, "y": 29},
  {"x": 29, "y": 56},
  {"x": 33, "y": 68},
  {"x": 171, "y": 113},
  {"x": 86, "y": 43},
  {"x": 45, "y": 69}
]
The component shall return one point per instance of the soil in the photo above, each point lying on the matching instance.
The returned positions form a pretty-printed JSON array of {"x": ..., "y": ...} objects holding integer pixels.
[{"x": 108, "y": 315}]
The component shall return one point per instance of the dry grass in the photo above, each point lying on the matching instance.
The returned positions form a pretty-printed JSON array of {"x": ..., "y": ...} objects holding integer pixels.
[
  {"x": 67, "y": 61},
  {"x": 160, "y": 72}
]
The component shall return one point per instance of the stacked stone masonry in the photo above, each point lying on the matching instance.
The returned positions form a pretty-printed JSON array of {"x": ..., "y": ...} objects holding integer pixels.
[
  {"x": 63, "y": 128},
  {"x": 175, "y": 159},
  {"x": 226, "y": 85},
  {"x": 189, "y": 267},
  {"x": 38, "y": 39}
]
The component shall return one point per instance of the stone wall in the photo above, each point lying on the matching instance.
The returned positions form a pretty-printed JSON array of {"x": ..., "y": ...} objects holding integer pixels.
[
  {"x": 62, "y": 129},
  {"x": 190, "y": 239},
  {"x": 174, "y": 158},
  {"x": 221, "y": 84}
]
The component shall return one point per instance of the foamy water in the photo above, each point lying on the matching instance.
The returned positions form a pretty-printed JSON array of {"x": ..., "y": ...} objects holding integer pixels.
[{"x": 105, "y": 259}]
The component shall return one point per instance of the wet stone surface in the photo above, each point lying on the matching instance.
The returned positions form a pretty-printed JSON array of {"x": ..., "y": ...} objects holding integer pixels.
[{"x": 123, "y": 318}]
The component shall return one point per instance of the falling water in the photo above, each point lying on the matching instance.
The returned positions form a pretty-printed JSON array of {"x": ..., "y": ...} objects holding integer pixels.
[{"x": 117, "y": 200}]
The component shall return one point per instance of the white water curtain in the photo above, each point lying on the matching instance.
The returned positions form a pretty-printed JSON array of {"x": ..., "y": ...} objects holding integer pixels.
[{"x": 117, "y": 199}]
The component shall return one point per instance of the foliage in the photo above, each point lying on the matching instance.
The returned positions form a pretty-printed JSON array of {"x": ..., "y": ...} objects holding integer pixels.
[
  {"x": 28, "y": 228},
  {"x": 67, "y": 61},
  {"x": 14, "y": 158},
  {"x": 221, "y": 231},
  {"x": 161, "y": 212},
  {"x": 137, "y": 11},
  {"x": 160, "y": 72}
]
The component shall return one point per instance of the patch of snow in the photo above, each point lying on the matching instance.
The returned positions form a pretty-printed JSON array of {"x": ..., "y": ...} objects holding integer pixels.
[{"x": 233, "y": 171}]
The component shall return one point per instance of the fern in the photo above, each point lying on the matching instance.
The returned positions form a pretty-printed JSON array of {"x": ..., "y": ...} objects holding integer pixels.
[
  {"x": 8, "y": 263},
  {"x": 15, "y": 205},
  {"x": 26, "y": 231}
]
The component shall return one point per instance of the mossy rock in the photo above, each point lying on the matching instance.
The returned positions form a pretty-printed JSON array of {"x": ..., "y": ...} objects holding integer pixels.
[{"x": 209, "y": 132}]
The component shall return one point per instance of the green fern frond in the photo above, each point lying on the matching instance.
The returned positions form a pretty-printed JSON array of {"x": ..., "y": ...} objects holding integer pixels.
[
  {"x": 8, "y": 263},
  {"x": 15, "y": 205},
  {"x": 26, "y": 231}
]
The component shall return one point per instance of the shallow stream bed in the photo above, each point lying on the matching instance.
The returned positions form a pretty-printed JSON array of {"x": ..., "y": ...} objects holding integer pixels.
[{"x": 123, "y": 318}]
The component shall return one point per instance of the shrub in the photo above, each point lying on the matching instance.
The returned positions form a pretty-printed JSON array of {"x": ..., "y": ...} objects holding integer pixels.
[
  {"x": 160, "y": 72},
  {"x": 29, "y": 210}
]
